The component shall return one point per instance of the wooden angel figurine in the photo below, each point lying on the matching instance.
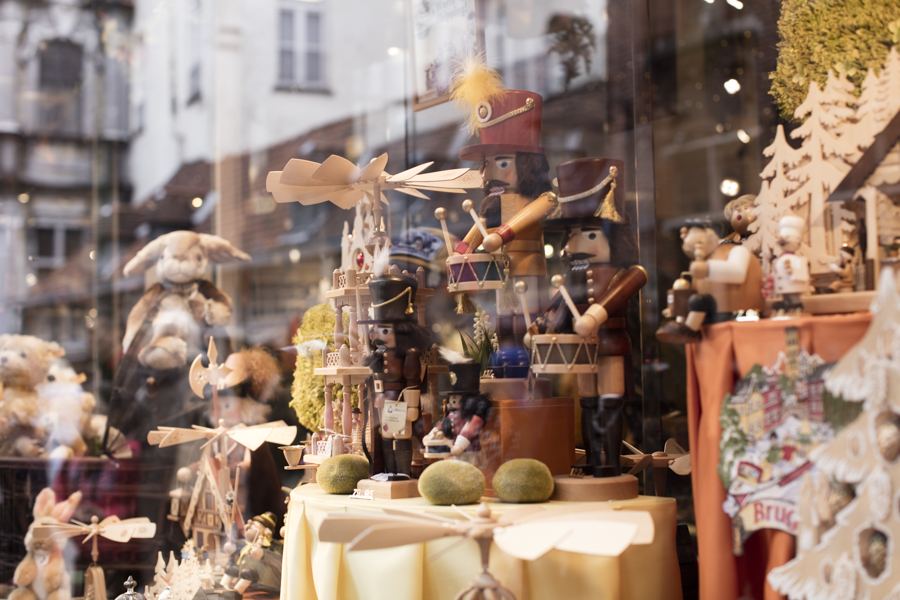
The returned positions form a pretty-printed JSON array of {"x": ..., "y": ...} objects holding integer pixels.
[
  {"x": 517, "y": 197},
  {"x": 790, "y": 271},
  {"x": 396, "y": 365},
  {"x": 467, "y": 411},
  {"x": 727, "y": 279},
  {"x": 600, "y": 280}
]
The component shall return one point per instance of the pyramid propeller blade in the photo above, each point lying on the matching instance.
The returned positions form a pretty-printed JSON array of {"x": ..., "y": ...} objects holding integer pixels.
[
  {"x": 374, "y": 169},
  {"x": 337, "y": 170},
  {"x": 409, "y": 173}
]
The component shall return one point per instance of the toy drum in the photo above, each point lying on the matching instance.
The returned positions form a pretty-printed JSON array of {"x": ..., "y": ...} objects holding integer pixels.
[
  {"x": 563, "y": 353},
  {"x": 476, "y": 272}
]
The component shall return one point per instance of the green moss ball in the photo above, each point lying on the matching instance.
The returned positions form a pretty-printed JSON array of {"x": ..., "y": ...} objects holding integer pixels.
[
  {"x": 341, "y": 474},
  {"x": 523, "y": 480},
  {"x": 451, "y": 482}
]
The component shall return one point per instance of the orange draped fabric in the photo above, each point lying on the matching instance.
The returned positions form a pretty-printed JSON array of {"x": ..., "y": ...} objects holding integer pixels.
[{"x": 727, "y": 352}]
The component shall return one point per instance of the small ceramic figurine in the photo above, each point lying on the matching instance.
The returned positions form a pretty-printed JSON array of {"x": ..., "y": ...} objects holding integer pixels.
[
  {"x": 727, "y": 279},
  {"x": 739, "y": 212},
  {"x": 467, "y": 411},
  {"x": 399, "y": 343},
  {"x": 600, "y": 280},
  {"x": 517, "y": 197},
  {"x": 845, "y": 270},
  {"x": 790, "y": 271}
]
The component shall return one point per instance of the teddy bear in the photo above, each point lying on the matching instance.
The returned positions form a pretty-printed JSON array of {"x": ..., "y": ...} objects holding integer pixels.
[
  {"x": 25, "y": 362},
  {"x": 66, "y": 412},
  {"x": 166, "y": 326},
  {"x": 42, "y": 573}
]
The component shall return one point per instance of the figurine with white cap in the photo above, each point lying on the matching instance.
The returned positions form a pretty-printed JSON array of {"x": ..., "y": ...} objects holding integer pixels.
[{"x": 790, "y": 271}]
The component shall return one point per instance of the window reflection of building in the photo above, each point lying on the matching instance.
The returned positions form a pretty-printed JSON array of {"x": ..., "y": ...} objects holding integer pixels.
[
  {"x": 58, "y": 103},
  {"x": 301, "y": 46},
  {"x": 63, "y": 132}
]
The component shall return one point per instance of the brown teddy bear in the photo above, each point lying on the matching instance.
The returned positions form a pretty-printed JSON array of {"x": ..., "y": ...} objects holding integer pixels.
[
  {"x": 166, "y": 325},
  {"x": 24, "y": 364},
  {"x": 42, "y": 573}
]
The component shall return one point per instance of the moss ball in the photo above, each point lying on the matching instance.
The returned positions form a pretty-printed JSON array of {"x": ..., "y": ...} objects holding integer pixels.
[
  {"x": 341, "y": 474},
  {"x": 523, "y": 480},
  {"x": 451, "y": 482}
]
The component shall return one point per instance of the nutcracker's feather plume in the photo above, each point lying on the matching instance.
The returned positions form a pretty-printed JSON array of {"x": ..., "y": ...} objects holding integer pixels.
[
  {"x": 381, "y": 260},
  {"x": 454, "y": 357},
  {"x": 474, "y": 82}
]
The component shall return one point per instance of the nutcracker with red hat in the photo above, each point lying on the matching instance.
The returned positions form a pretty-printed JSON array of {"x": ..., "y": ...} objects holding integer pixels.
[
  {"x": 593, "y": 298},
  {"x": 517, "y": 197}
]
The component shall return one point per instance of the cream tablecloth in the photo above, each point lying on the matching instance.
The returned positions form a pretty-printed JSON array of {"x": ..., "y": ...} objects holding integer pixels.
[{"x": 326, "y": 571}]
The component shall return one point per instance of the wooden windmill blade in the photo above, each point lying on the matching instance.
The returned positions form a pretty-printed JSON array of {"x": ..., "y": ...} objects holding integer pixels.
[
  {"x": 390, "y": 535},
  {"x": 59, "y": 530},
  {"x": 297, "y": 171},
  {"x": 643, "y": 462},
  {"x": 337, "y": 170},
  {"x": 409, "y": 191},
  {"x": 459, "y": 177},
  {"x": 401, "y": 512},
  {"x": 409, "y": 173},
  {"x": 531, "y": 540},
  {"x": 673, "y": 448},
  {"x": 681, "y": 465},
  {"x": 646, "y": 529},
  {"x": 123, "y": 531},
  {"x": 374, "y": 170},
  {"x": 254, "y": 437},
  {"x": 177, "y": 435},
  {"x": 345, "y": 528}
]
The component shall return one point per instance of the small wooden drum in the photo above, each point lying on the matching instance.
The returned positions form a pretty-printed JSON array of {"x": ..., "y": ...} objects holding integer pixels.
[
  {"x": 476, "y": 272},
  {"x": 563, "y": 353}
]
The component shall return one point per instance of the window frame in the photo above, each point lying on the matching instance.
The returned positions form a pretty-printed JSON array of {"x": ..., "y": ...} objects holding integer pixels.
[{"x": 300, "y": 47}]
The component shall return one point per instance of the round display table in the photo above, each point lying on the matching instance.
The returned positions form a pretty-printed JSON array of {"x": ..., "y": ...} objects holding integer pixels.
[{"x": 326, "y": 571}]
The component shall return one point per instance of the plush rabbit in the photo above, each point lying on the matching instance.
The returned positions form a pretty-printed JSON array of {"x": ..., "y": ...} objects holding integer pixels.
[
  {"x": 42, "y": 573},
  {"x": 166, "y": 325}
]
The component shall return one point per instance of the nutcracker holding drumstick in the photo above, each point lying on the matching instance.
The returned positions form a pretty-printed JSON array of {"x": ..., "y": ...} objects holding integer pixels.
[{"x": 593, "y": 297}]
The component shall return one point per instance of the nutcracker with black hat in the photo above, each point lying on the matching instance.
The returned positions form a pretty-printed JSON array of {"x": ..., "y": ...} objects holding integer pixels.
[
  {"x": 467, "y": 410},
  {"x": 517, "y": 196},
  {"x": 593, "y": 297},
  {"x": 394, "y": 388}
]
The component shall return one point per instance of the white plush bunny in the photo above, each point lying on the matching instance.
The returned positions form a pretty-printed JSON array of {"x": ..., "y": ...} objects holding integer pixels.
[{"x": 167, "y": 322}]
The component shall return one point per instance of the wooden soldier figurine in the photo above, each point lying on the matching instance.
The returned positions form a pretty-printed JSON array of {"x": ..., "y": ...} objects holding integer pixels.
[
  {"x": 727, "y": 279},
  {"x": 790, "y": 271},
  {"x": 467, "y": 411},
  {"x": 739, "y": 212},
  {"x": 600, "y": 279},
  {"x": 517, "y": 197},
  {"x": 397, "y": 369}
]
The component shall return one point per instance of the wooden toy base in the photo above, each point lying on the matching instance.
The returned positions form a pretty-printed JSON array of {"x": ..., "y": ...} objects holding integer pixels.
[
  {"x": 390, "y": 490},
  {"x": 594, "y": 489}
]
